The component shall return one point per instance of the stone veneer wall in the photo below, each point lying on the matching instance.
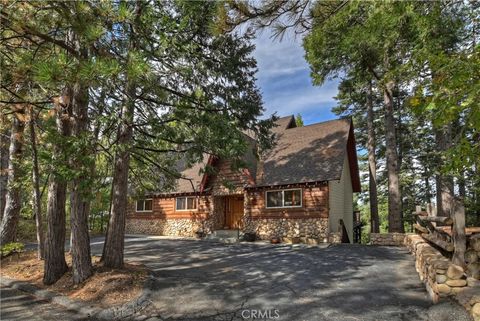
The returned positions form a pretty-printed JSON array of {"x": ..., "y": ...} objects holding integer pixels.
[
  {"x": 315, "y": 229},
  {"x": 387, "y": 239},
  {"x": 443, "y": 278},
  {"x": 171, "y": 227}
]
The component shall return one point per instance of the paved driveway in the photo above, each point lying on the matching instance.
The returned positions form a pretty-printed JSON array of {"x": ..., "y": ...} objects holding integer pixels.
[{"x": 199, "y": 280}]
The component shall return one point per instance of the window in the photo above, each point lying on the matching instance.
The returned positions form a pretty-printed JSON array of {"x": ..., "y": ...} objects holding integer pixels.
[
  {"x": 284, "y": 198},
  {"x": 186, "y": 203},
  {"x": 144, "y": 205}
]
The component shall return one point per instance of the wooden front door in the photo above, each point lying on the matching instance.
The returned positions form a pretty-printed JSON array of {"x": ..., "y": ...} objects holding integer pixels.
[{"x": 234, "y": 212}]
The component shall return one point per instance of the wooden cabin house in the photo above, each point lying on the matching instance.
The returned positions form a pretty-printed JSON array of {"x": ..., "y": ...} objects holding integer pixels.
[{"x": 302, "y": 188}]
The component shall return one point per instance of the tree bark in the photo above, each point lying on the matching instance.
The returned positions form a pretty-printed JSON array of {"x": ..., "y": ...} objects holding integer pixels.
[
  {"x": 80, "y": 245},
  {"x": 462, "y": 189},
  {"x": 372, "y": 164},
  {"x": 37, "y": 202},
  {"x": 13, "y": 204},
  {"x": 55, "y": 265},
  {"x": 458, "y": 232},
  {"x": 114, "y": 241},
  {"x": 395, "y": 223},
  {"x": 4, "y": 155},
  {"x": 444, "y": 184}
]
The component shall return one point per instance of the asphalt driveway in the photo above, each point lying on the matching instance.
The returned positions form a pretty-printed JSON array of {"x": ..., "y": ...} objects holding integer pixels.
[{"x": 199, "y": 280}]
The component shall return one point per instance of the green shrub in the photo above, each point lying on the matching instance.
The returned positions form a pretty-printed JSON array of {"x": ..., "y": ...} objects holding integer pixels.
[
  {"x": 11, "y": 248},
  {"x": 26, "y": 231}
]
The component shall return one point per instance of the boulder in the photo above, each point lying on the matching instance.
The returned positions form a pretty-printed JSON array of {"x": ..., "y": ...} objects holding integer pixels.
[
  {"x": 471, "y": 256},
  {"x": 455, "y": 272},
  {"x": 471, "y": 282},
  {"x": 441, "y": 271},
  {"x": 440, "y": 264},
  {"x": 473, "y": 270},
  {"x": 440, "y": 278},
  {"x": 457, "y": 290},
  {"x": 470, "y": 296},
  {"x": 476, "y": 311},
  {"x": 443, "y": 288},
  {"x": 455, "y": 283},
  {"x": 475, "y": 243}
]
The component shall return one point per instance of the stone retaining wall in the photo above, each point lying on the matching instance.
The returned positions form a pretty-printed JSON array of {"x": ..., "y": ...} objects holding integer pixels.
[
  {"x": 387, "y": 239},
  {"x": 442, "y": 278},
  {"x": 310, "y": 230}
]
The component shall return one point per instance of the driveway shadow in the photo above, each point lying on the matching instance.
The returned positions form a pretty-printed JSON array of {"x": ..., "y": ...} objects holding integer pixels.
[{"x": 201, "y": 280}]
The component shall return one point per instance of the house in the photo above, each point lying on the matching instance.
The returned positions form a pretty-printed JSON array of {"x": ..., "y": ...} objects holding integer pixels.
[{"x": 302, "y": 188}]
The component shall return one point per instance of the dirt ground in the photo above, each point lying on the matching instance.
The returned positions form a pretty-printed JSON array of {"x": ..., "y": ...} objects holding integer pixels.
[{"x": 106, "y": 288}]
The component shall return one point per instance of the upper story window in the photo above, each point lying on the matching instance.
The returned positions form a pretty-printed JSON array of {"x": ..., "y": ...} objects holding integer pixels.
[
  {"x": 186, "y": 203},
  {"x": 284, "y": 198},
  {"x": 144, "y": 205}
]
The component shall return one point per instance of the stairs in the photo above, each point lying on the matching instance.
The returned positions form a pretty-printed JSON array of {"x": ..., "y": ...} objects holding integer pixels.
[{"x": 224, "y": 236}]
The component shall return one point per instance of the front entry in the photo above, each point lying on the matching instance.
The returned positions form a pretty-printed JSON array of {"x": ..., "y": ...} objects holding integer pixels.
[{"x": 234, "y": 212}]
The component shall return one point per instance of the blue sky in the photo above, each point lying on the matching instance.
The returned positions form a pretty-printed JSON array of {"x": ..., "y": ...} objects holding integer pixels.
[{"x": 284, "y": 80}]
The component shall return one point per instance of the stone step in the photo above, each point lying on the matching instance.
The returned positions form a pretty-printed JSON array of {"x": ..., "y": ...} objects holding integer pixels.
[
  {"x": 224, "y": 236},
  {"x": 226, "y": 233},
  {"x": 228, "y": 240}
]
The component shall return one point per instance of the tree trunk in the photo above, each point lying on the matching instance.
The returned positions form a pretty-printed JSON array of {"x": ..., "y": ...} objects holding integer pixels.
[
  {"x": 80, "y": 246},
  {"x": 398, "y": 136},
  {"x": 444, "y": 184},
  {"x": 13, "y": 204},
  {"x": 114, "y": 241},
  {"x": 55, "y": 265},
  {"x": 4, "y": 155},
  {"x": 428, "y": 195},
  {"x": 462, "y": 190},
  {"x": 395, "y": 223},
  {"x": 372, "y": 165},
  {"x": 114, "y": 244},
  {"x": 37, "y": 202},
  {"x": 458, "y": 232}
]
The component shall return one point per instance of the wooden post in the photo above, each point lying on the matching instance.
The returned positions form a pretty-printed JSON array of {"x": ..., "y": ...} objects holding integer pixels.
[
  {"x": 418, "y": 209},
  {"x": 458, "y": 231},
  {"x": 431, "y": 212}
]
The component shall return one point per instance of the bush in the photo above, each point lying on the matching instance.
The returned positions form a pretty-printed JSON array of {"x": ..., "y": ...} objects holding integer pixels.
[
  {"x": 26, "y": 231},
  {"x": 11, "y": 248}
]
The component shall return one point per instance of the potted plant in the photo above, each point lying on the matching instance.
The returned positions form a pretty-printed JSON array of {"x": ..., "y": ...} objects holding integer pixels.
[
  {"x": 199, "y": 234},
  {"x": 275, "y": 240}
]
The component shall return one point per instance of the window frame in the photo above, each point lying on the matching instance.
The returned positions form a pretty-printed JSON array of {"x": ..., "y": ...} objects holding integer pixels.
[
  {"x": 186, "y": 204},
  {"x": 283, "y": 198},
  {"x": 143, "y": 200}
]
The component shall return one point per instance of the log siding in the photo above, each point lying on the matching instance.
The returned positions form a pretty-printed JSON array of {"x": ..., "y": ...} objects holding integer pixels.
[
  {"x": 314, "y": 204},
  {"x": 164, "y": 208}
]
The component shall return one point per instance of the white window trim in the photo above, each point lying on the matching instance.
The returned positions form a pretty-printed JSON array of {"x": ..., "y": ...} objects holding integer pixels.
[
  {"x": 283, "y": 198},
  {"x": 187, "y": 210},
  {"x": 143, "y": 200}
]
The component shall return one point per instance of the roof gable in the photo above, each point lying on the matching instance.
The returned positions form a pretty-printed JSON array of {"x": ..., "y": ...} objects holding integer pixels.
[
  {"x": 306, "y": 154},
  {"x": 312, "y": 153}
]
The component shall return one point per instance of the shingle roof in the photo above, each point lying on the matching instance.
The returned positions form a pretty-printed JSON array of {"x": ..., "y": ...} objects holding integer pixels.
[
  {"x": 284, "y": 123},
  {"x": 191, "y": 177},
  {"x": 312, "y": 153},
  {"x": 305, "y": 154}
]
